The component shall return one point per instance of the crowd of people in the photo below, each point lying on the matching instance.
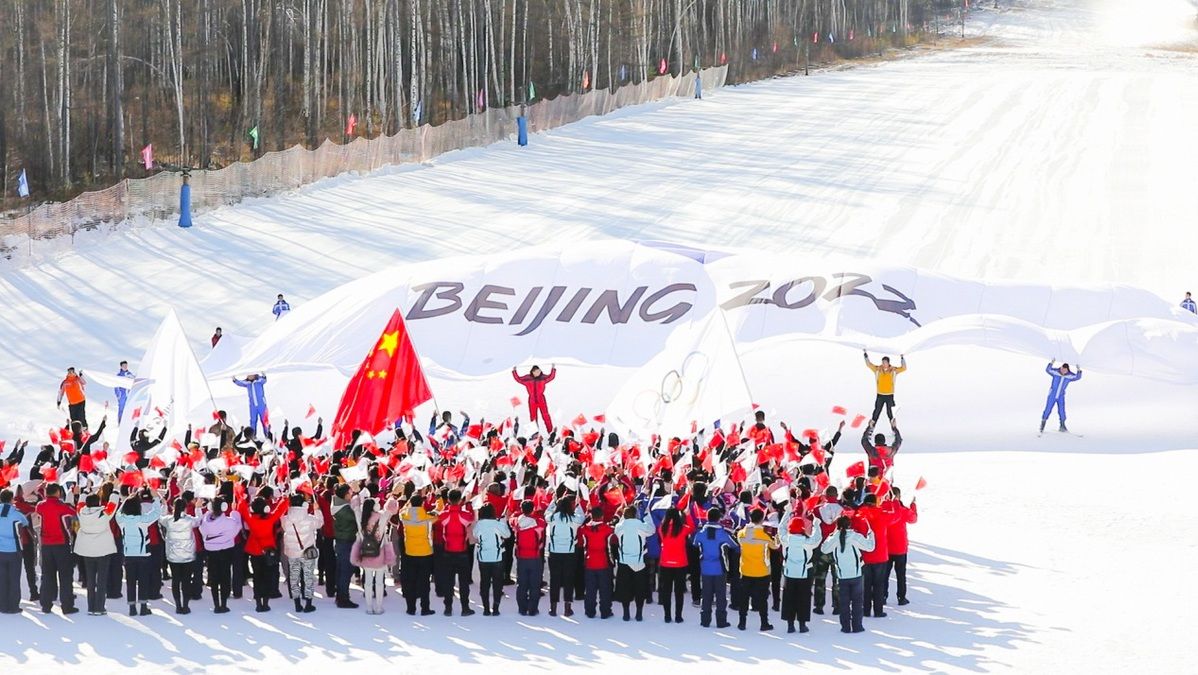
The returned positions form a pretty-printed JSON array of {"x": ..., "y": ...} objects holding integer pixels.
[{"x": 746, "y": 520}]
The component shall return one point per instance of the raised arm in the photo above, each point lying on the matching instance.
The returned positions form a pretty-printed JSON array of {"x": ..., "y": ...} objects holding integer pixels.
[{"x": 552, "y": 374}]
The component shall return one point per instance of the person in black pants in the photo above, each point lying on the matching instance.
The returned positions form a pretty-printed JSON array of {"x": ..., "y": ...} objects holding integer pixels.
[
  {"x": 12, "y": 525},
  {"x": 220, "y": 570}
]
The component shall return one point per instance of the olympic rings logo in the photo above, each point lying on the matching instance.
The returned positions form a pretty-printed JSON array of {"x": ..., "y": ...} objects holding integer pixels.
[{"x": 680, "y": 387}]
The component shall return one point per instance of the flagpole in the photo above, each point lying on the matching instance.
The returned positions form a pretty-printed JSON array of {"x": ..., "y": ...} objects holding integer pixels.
[{"x": 732, "y": 340}]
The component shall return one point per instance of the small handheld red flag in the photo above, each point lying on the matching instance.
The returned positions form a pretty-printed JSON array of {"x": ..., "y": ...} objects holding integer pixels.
[
  {"x": 921, "y": 483},
  {"x": 857, "y": 421},
  {"x": 311, "y": 411},
  {"x": 838, "y": 410},
  {"x": 855, "y": 470},
  {"x": 515, "y": 401}
]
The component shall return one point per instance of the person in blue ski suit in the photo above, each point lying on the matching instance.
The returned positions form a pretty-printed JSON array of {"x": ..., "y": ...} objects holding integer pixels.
[
  {"x": 1061, "y": 378},
  {"x": 281, "y": 307},
  {"x": 255, "y": 386},
  {"x": 1189, "y": 305},
  {"x": 121, "y": 392}
]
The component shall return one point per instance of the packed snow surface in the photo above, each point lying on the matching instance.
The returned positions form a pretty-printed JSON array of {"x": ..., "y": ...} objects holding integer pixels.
[{"x": 1057, "y": 149}]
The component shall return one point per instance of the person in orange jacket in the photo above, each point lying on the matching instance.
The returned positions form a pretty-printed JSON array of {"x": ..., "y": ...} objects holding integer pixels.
[
  {"x": 72, "y": 388},
  {"x": 898, "y": 544}
]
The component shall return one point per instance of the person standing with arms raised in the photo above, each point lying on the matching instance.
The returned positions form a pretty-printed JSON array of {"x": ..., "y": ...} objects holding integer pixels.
[
  {"x": 534, "y": 383},
  {"x": 884, "y": 376}
]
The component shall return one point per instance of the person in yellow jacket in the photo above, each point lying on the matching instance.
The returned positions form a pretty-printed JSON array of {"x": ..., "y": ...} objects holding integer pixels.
[
  {"x": 755, "y": 546},
  {"x": 885, "y": 375},
  {"x": 417, "y": 561}
]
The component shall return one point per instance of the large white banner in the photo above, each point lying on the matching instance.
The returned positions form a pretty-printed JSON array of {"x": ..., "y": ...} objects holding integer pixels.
[{"x": 612, "y": 305}]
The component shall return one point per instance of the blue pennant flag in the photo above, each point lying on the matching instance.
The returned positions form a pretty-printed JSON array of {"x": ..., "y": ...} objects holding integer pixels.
[{"x": 22, "y": 185}]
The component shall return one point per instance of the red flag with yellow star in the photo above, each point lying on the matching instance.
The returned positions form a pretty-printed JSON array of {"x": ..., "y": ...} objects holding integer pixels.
[{"x": 388, "y": 385}]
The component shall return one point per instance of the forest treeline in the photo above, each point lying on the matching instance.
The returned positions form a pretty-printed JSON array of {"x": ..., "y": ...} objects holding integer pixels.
[{"x": 85, "y": 85}]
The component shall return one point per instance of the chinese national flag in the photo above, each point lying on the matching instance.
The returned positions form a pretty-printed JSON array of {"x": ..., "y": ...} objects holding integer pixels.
[{"x": 388, "y": 385}]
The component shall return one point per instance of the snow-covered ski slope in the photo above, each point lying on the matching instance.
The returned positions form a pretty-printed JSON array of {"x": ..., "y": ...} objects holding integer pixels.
[{"x": 1058, "y": 148}]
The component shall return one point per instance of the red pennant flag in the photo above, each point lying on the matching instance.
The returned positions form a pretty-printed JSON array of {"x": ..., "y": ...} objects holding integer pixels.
[
  {"x": 311, "y": 411},
  {"x": 2, "y": 442},
  {"x": 50, "y": 474},
  {"x": 709, "y": 461},
  {"x": 595, "y": 418},
  {"x": 839, "y": 410},
  {"x": 515, "y": 401},
  {"x": 921, "y": 483},
  {"x": 579, "y": 421},
  {"x": 132, "y": 479},
  {"x": 388, "y": 385},
  {"x": 54, "y": 436},
  {"x": 86, "y": 464},
  {"x": 130, "y": 457},
  {"x": 857, "y": 421},
  {"x": 855, "y": 470},
  {"x": 590, "y": 438}
]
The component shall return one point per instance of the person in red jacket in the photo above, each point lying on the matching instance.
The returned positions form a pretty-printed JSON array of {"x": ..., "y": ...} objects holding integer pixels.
[
  {"x": 880, "y": 519},
  {"x": 898, "y": 544},
  {"x": 326, "y": 565},
  {"x": 528, "y": 528},
  {"x": 28, "y": 546},
  {"x": 534, "y": 382},
  {"x": 594, "y": 539},
  {"x": 54, "y": 533},
  {"x": 674, "y": 532},
  {"x": 261, "y": 545},
  {"x": 451, "y": 535}
]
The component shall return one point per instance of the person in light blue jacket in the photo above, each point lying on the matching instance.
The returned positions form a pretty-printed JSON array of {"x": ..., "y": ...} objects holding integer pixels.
[
  {"x": 846, "y": 547},
  {"x": 632, "y": 575},
  {"x": 255, "y": 389},
  {"x": 1061, "y": 379},
  {"x": 10, "y": 554},
  {"x": 562, "y": 519},
  {"x": 488, "y": 535},
  {"x": 136, "y": 516},
  {"x": 801, "y": 539}
]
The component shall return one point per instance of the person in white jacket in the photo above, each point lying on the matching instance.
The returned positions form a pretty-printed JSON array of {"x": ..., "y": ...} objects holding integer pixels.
[
  {"x": 299, "y": 527},
  {"x": 846, "y": 547},
  {"x": 801, "y": 538},
  {"x": 179, "y": 536},
  {"x": 489, "y": 534},
  {"x": 96, "y": 545},
  {"x": 632, "y": 576},
  {"x": 563, "y": 518}
]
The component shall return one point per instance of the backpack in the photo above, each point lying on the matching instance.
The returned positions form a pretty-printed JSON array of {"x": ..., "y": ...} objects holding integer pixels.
[{"x": 371, "y": 545}]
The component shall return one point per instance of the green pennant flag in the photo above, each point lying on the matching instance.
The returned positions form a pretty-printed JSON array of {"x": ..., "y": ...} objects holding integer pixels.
[
  {"x": 532, "y": 91},
  {"x": 254, "y": 135}
]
